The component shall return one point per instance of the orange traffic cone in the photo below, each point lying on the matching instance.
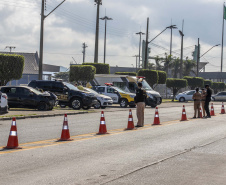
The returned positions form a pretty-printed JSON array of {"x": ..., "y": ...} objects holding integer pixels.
[
  {"x": 212, "y": 110},
  {"x": 13, "y": 139},
  {"x": 130, "y": 125},
  {"x": 102, "y": 128},
  {"x": 200, "y": 113},
  {"x": 184, "y": 116},
  {"x": 65, "y": 134},
  {"x": 222, "y": 108},
  {"x": 156, "y": 119}
]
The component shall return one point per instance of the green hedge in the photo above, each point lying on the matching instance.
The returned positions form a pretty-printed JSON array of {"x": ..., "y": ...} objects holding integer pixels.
[
  {"x": 11, "y": 68},
  {"x": 151, "y": 76},
  {"x": 194, "y": 82},
  {"x": 100, "y": 68},
  {"x": 161, "y": 77},
  {"x": 82, "y": 73},
  {"x": 209, "y": 82},
  {"x": 176, "y": 84},
  {"x": 126, "y": 73},
  {"x": 218, "y": 86}
]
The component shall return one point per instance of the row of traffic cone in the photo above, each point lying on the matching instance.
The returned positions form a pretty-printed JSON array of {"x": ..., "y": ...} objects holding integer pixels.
[{"x": 65, "y": 134}]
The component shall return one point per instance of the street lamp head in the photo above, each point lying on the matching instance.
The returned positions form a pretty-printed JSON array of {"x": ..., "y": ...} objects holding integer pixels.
[
  {"x": 181, "y": 33},
  {"x": 217, "y": 45}
]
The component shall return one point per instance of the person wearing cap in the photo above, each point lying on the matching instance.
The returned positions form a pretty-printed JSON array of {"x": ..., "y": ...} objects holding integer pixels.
[
  {"x": 196, "y": 97},
  {"x": 208, "y": 99},
  {"x": 140, "y": 99},
  {"x": 203, "y": 99}
]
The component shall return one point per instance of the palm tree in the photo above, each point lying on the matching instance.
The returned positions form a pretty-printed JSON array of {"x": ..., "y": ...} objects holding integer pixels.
[
  {"x": 166, "y": 63},
  {"x": 175, "y": 65},
  {"x": 158, "y": 65},
  {"x": 188, "y": 67}
]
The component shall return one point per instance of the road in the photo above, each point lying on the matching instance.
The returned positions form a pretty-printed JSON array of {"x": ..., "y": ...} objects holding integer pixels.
[{"x": 189, "y": 152}]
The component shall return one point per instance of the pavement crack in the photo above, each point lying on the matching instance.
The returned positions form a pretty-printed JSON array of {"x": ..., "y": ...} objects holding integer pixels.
[{"x": 165, "y": 159}]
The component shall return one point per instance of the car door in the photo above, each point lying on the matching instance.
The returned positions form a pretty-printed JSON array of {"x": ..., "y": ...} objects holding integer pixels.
[
  {"x": 26, "y": 97},
  {"x": 189, "y": 95},
  {"x": 113, "y": 94},
  {"x": 219, "y": 96},
  {"x": 13, "y": 96},
  {"x": 224, "y": 96}
]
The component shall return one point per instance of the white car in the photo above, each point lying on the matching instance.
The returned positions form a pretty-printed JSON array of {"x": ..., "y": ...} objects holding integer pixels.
[
  {"x": 103, "y": 100},
  {"x": 185, "y": 96},
  {"x": 3, "y": 103}
]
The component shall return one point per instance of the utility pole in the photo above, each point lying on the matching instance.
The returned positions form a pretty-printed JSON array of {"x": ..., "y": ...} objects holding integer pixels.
[
  {"x": 171, "y": 38},
  {"x": 181, "y": 52},
  {"x": 10, "y": 48},
  {"x": 146, "y": 46},
  {"x": 98, "y": 3},
  {"x": 140, "y": 33},
  {"x": 84, "y": 46},
  {"x": 137, "y": 56},
  {"x": 106, "y": 18},
  {"x": 42, "y": 35},
  {"x": 198, "y": 57}
]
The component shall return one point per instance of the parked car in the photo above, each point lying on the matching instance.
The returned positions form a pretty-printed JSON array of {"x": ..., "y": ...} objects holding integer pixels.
[
  {"x": 3, "y": 103},
  {"x": 118, "y": 95},
  {"x": 67, "y": 94},
  {"x": 103, "y": 101},
  {"x": 220, "y": 96},
  {"x": 28, "y": 97},
  {"x": 185, "y": 96}
]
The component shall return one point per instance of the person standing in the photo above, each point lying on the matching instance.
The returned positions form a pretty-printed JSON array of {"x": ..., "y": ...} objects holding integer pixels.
[
  {"x": 203, "y": 99},
  {"x": 140, "y": 102},
  {"x": 196, "y": 97},
  {"x": 207, "y": 101}
]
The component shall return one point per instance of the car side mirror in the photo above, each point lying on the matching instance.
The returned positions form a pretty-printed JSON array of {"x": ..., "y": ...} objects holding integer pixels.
[{"x": 31, "y": 94}]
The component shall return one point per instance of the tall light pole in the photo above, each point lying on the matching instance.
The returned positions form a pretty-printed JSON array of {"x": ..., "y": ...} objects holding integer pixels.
[
  {"x": 171, "y": 37},
  {"x": 42, "y": 35},
  {"x": 137, "y": 56},
  {"x": 198, "y": 55},
  {"x": 146, "y": 46},
  {"x": 98, "y": 3},
  {"x": 140, "y": 33},
  {"x": 106, "y": 18},
  {"x": 181, "y": 52},
  {"x": 84, "y": 46}
]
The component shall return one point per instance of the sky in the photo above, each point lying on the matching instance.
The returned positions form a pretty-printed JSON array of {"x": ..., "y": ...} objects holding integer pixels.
[{"x": 74, "y": 23}]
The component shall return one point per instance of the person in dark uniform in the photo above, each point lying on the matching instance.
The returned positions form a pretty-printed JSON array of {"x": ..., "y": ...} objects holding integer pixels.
[
  {"x": 207, "y": 101},
  {"x": 140, "y": 102}
]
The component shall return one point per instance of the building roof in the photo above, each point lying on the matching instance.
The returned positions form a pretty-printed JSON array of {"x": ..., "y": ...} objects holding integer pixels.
[
  {"x": 30, "y": 61},
  {"x": 213, "y": 75},
  {"x": 50, "y": 68}
]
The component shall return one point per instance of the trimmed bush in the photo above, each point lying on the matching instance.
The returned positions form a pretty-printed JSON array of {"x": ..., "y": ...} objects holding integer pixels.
[
  {"x": 151, "y": 76},
  {"x": 194, "y": 82},
  {"x": 209, "y": 82},
  {"x": 161, "y": 77},
  {"x": 126, "y": 73},
  {"x": 100, "y": 68},
  {"x": 82, "y": 73},
  {"x": 11, "y": 68},
  {"x": 218, "y": 86},
  {"x": 176, "y": 84}
]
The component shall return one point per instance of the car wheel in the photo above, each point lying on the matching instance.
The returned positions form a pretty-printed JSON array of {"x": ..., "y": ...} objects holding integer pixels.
[
  {"x": 103, "y": 107},
  {"x": 42, "y": 106},
  {"x": 86, "y": 107},
  {"x": 76, "y": 104},
  {"x": 123, "y": 103},
  {"x": 182, "y": 99},
  {"x": 97, "y": 105},
  {"x": 62, "y": 106}
]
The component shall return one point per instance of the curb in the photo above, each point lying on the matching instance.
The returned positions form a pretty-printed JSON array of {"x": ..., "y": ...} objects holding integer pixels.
[{"x": 43, "y": 115}]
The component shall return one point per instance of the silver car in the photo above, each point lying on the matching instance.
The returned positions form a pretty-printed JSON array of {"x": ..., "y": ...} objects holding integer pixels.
[
  {"x": 3, "y": 103},
  {"x": 221, "y": 96}
]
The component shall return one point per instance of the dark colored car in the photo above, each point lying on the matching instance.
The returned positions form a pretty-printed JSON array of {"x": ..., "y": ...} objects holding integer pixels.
[
  {"x": 28, "y": 97},
  {"x": 67, "y": 94}
]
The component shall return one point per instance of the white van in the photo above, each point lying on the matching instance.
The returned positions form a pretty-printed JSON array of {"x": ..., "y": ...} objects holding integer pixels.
[{"x": 128, "y": 84}]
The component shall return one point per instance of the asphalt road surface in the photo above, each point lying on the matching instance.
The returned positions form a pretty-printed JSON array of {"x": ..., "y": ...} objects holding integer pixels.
[{"x": 189, "y": 152}]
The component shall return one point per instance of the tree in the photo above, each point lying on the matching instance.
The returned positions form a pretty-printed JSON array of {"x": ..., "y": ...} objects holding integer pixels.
[
  {"x": 194, "y": 82},
  {"x": 161, "y": 77},
  {"x": 11, "y": 68},
  {"x": 100, "y": 68},
  {"x": 83, "y": 73},
  {"x": 150, "y": 75},
  {"x": 62, "y": 75},
  {"x": 151, "y": 65},
  {"x": 175, "y": 85},
  {"x": 158, "y": 65},
  {"x": 166, "y": 63},
  {"x": 175, "y": 66},
  {"x": 218, "y": 86},
  {"x": 188, "y": 65}
]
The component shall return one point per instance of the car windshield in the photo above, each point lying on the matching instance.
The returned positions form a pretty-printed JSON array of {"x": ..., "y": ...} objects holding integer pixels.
[
  {"x": 146, "y": 86},
  {"x": 70, "y": 86},
  {"x": 35, "y": 91},
  {"x": 119, "y": 90}
]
